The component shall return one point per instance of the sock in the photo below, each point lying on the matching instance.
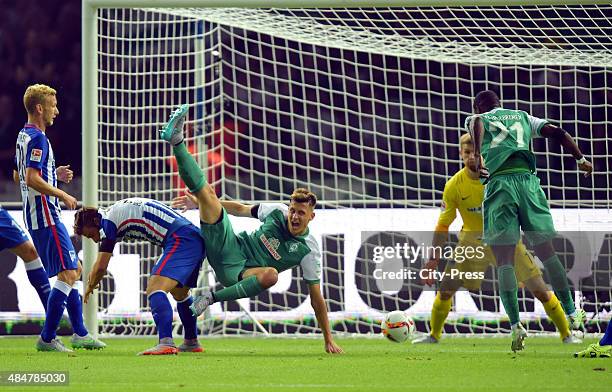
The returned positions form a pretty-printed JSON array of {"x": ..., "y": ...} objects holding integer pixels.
[
  {"x": 162, "y": 313},
  {"x": 74, "y": 305},
  {"x": 39, "y": 280},
  {"x": 554, "y": 310},
  {"x": 607, "y": 338},
  {"x": 55, "y": 309},
  {"x": 189, "y": 170},
  {"x": 439, "y": 313},
  {"x": 187, "y": 319},
  {"x": 508, "y": 291},
  {"x": 245, "y": 288},
  {"x": 558, "y": 280}
]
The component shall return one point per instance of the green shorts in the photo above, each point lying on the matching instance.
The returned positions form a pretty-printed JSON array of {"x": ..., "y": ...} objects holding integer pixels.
[
  {"x": 513, "y": 202},
  {"x": 223, "y": 250}
]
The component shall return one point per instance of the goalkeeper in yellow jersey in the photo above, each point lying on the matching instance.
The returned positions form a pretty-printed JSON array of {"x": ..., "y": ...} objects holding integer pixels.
[{"x": 465, "y": 193}]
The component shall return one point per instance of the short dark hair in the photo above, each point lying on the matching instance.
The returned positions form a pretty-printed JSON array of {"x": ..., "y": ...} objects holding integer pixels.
[
  {"x": 486, "y": 100},
  {"x": 86, "y": 217},
  {"x": 303, "y": 195}
]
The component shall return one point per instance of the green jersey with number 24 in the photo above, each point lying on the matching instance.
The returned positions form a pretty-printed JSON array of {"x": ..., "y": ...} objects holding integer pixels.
[{"x": 506, "y": 142}]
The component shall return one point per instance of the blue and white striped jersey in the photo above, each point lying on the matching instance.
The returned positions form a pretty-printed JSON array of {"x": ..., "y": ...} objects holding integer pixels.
[
  {"x": 34, "y": 150},
  {"x": 140, "y": 219}
]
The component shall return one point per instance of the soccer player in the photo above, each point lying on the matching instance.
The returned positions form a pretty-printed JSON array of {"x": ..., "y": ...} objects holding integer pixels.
[
  {"x": 603, "y": 349},
  {"x": 38, "y": 178},
  {"x": 464, "y": 192},
  {"x": 247, "y": 264},
  {"x": 16, "y": 240},
  {"x": 514, "y": 199},
  {"x": 175, "y": 272}
]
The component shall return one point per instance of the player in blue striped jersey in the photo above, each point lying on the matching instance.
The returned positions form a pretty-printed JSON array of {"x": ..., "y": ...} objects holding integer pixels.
[
  {"x": 176, "y": 271},
  {"x": 38, "y": 177}
]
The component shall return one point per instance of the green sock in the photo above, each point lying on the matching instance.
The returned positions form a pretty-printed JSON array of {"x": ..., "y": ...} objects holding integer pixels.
[
  {"x": 188, "y": 168},
  {"x": 245, "y": 288},
  {"x": 508, "y": 291},
  {"x": 558, "y": 280}
]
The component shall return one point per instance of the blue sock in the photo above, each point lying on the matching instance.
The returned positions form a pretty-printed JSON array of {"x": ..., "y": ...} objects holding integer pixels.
[
  {"x": 39, "y": 280},
  {"x": 187, "y": 318},
  {"x": 607, "y": 338},
  {"x": 55, "y": 309},
  {"x": 162, "y": 313},
  {"x": 74, "y": 305}
]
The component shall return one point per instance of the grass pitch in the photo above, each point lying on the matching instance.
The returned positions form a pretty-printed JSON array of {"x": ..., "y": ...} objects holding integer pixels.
[{"x": 456, "y": 364}]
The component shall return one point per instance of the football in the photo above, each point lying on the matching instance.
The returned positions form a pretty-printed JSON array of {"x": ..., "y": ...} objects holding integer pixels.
[{"x": 397, "y": 326}]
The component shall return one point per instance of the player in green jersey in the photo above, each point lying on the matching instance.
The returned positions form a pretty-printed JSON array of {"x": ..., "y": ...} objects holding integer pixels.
[
  {"x": 249, "y": 263},
  {"x": 514, "y": 199}
]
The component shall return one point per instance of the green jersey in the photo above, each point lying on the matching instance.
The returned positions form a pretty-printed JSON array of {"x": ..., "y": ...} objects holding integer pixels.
[
  {"x": 506, "y": 141},
  {"x": 272, "y": 245}
]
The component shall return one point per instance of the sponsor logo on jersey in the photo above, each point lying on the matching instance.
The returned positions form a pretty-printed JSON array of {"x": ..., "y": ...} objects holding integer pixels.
[
  {"x": 293, "y": 247},
  {"x": 72, "y": 255},
  {"x": 272, "y": 245},
  {"x": 36, "y": 155},
  {"x": 475, "y": 209}
]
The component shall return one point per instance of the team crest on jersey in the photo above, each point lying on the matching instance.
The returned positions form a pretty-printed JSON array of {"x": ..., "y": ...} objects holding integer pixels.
[
  {"x": 272, "y": 245},
  {"x": 72, "y": 255},
  {"x": 443, "y": 206},
  {"x": 293, "y": 247},
  {"x": 36, "y": 155}
]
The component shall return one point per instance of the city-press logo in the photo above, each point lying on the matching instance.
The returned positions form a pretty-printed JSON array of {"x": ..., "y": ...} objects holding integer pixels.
[{"x": 272, "y": 245}]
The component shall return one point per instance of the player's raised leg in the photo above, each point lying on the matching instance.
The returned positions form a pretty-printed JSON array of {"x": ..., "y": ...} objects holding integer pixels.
[{"x": 189, "y": 170}]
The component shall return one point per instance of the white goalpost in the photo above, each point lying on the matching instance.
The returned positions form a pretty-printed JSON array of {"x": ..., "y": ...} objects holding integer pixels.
[{"x": 363, "y": 102}]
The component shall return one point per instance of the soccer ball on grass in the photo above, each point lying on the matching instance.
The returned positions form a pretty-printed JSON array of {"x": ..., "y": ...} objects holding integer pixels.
[{"x": 397, "y": 326}]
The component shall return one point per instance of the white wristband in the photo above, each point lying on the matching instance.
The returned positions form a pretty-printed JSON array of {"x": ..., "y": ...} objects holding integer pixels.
[{"x": 581, "y": 160}]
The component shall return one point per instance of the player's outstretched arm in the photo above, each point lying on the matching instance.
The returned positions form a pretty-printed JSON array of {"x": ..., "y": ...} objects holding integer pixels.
[
  {"x": 97, "y": 273},
  {"x": 477, "y": 130},
  {"x": 237, "y": 209},
  {"x": 320, "y": 308},
  {"x": 567, "y": 141}
]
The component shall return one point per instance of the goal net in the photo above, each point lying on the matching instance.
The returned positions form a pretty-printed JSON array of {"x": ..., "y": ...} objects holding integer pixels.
[{"x": 365, "y": 107}]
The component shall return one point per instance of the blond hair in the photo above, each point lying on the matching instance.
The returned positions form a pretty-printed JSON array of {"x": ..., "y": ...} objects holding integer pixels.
[
  {"x": 466, "y": 138},
  {"x": 36, "y": 94},
  {"x": 303, "y": 195}
]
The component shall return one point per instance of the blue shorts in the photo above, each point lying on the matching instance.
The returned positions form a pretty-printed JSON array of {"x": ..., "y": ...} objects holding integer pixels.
[
  {"x": 11, "y": 234},
  {"x": 183, "y": 254},
  {"x": 55, "y": 249}
]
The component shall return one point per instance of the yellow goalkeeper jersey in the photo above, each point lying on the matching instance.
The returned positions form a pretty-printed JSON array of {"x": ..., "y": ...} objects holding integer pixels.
[{"x": 464, "y": 194}]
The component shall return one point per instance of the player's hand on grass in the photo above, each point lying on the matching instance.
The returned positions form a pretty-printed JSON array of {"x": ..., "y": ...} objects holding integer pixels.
[
  {"x": 186, "y": 202},
  {"x": 64, "y": 174},
  {"x": 69, "y": 201},
  {"x": 333, "y": 348},
  {"x": 586, "y": 167},
  {"x": 429, "y": 268}
]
